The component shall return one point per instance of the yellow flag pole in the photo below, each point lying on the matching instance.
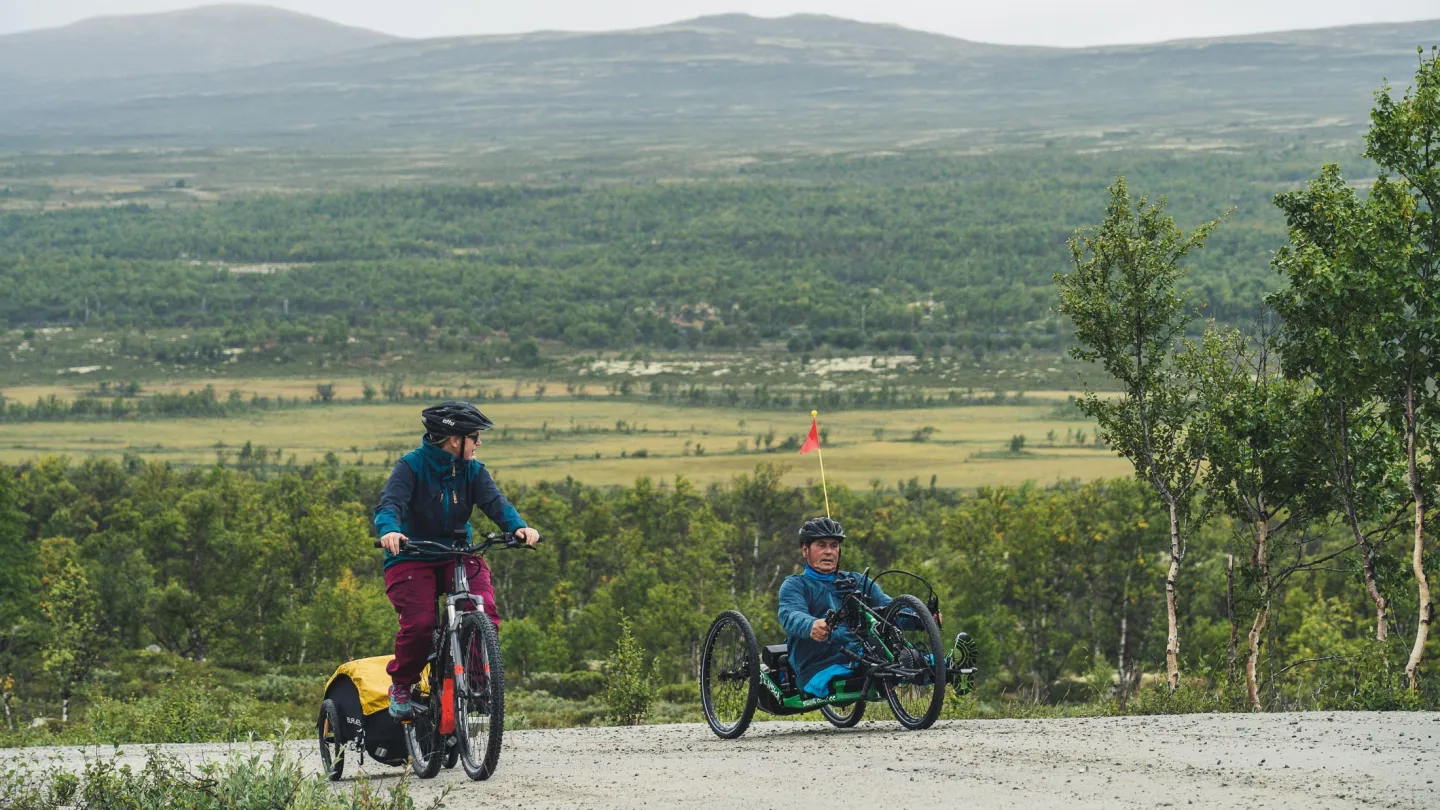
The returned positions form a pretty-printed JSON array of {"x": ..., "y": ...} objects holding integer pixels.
[{"x": 821, "y": 453}]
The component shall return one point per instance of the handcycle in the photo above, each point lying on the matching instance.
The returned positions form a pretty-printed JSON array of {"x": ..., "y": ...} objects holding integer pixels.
[
  {"x": 900, "y": 661},
  {"x": 458, "y": 707}
]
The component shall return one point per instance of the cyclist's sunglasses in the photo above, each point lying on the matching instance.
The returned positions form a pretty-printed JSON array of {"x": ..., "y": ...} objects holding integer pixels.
[{"x": 474, "y": 437}]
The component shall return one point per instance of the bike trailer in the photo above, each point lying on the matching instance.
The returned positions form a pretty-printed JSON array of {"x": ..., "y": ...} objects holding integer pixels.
[{"x": 360, "y": 693}]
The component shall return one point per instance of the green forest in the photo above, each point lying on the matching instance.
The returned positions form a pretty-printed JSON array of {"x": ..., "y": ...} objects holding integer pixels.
[
  {"x": 272, "y": 581},
  {"x": 891, "y": 253}
]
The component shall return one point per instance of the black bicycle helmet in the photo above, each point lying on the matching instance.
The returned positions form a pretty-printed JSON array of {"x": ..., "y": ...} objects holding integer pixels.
[
  {"x": 454, "y": 418},
  {"x": 816, "y": 528}
]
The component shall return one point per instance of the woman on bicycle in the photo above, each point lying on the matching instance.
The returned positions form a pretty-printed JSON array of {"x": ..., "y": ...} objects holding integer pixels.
[{"x": 429, "y": 496}]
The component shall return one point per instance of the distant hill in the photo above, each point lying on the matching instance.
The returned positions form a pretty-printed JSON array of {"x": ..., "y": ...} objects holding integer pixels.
[
  {"x": 738, "y": 83},
  {"x": 210, "y": 38}
]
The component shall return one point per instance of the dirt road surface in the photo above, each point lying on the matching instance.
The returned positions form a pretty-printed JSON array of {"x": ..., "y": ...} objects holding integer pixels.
[{"x": 1321, "y": 760}]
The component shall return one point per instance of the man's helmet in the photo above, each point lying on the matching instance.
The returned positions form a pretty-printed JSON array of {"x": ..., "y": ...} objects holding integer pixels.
[
  {"x": 819, "y": 527},
  {"x": 454, "y": 418}
]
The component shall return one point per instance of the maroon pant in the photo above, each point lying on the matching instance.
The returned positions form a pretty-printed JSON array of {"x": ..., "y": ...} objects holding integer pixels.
[{"x": 413, "y": 588}]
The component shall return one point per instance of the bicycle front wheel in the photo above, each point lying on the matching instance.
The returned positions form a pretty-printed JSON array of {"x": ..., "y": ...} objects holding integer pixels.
[{"x": 479, "y": 697}]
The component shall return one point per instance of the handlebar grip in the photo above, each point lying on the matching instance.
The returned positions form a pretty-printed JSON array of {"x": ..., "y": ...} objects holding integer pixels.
[
  {"x": 378, "y": 544},
  {"x": 511, "y": 541}
]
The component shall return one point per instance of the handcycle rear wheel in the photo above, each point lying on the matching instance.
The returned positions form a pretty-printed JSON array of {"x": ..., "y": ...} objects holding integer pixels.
[
  {"x": 844, "y": 716},
  {"x": 730, "y": 675},
  {"x": 332, "y": 751},
  {"x": 480, "y": 706},
  {"x": 916, "y": 703}
]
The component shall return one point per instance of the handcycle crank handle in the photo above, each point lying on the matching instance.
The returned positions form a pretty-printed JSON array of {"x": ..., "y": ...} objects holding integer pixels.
[{"x": 832, "y": 618}]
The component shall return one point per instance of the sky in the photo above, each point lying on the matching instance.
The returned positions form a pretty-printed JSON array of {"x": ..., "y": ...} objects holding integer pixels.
[{"x": 1021, "y": 22}]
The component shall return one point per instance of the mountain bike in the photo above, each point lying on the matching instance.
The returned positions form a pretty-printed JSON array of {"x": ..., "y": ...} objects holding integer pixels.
[
  {"x": 899, "y": 661},
  {"x": 458, "y": 707}
]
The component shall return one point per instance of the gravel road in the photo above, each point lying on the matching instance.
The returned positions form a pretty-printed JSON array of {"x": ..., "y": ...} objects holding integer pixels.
[{"x": 1321, "y": 760}]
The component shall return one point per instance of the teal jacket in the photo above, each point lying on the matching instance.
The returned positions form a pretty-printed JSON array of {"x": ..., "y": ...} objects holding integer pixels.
[
  {"x": 430, "y": 494},
  {"x": 808, "y": 596}
]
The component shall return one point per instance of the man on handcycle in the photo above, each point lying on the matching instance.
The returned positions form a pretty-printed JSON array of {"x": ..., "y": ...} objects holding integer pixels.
[
  {"x": 806, "y": 598},
  {"x": 429, "y": 496}
]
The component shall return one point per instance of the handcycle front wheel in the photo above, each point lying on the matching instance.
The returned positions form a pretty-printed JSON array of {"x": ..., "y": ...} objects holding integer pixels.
[
  {"x": 915, "y": 702},
  {"x": 730, "y": 675},
  {"x": 480, "y": 705},
  {"x": 844, "y": 716}
]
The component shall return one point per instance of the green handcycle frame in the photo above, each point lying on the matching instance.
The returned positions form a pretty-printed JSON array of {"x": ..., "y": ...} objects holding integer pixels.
[{"x": 735, "y": 679}]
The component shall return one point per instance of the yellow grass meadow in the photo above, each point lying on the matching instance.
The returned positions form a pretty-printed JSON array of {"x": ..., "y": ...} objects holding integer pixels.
[{"x": 596, "y": 439}]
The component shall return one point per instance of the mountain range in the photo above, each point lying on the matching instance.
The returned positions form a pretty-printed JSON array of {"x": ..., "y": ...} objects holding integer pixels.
[
  {"x": 208, "y": 38},
  {"x": 257, "y": 76}
]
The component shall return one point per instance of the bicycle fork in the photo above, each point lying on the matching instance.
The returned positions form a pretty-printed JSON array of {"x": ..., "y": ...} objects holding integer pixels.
[{"x": 460, "y": 592}]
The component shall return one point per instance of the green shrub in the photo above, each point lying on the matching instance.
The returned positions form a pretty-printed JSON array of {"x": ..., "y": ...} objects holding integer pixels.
[
  {"x": 580, "y": 685},
  {"x": 628, "y": 690},
  {"x": 543, "y": 710},
  {"x": 546, "y": 682},
  {"x": 276, "y": 688},
  {"x": 1190, "y": 698},
  {"x": 276, "y": 782},
  {"x": 679, "y": 692},
  {"x": 178, "y": 712}
]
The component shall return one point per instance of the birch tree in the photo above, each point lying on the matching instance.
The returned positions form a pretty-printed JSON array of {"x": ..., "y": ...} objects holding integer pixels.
[
  {"x": 72, "y": 617},
  {"x": 1330, "y": 312},
  {"x": 1404, "y": 138},
  {"x": 1129, "y": 316},
  {"x": 1260, "y": 471}
]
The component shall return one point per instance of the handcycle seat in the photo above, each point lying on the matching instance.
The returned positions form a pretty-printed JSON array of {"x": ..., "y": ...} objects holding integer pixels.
[{"x": 776, "y": 657}]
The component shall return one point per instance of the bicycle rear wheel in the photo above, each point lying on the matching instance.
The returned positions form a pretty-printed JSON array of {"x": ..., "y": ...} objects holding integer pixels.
[
  {"x": 480, "y": 702},
  {"x": 915, "y": 702},
  {"x": 422, "y": 734}
]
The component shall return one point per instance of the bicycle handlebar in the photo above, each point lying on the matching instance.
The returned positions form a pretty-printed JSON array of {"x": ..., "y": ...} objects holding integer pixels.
[{"x": 492, "y": 539}]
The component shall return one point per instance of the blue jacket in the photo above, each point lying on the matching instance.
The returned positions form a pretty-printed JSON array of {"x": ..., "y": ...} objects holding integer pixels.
[
  {"x": 808, "y": 596},
  {"x": 430, "y": 494}
]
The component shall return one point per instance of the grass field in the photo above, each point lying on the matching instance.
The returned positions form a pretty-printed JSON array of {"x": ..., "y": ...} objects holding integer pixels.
[{"x": 597, "y": 439}]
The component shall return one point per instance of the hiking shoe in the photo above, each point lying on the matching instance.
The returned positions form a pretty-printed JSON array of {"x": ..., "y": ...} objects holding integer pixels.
[{"x": 400, "y": 708}]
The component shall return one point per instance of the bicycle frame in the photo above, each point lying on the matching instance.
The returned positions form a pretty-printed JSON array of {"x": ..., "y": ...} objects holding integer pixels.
[
  {"x": 452, "y": 614},
  {"x": 459, "y": 591}
]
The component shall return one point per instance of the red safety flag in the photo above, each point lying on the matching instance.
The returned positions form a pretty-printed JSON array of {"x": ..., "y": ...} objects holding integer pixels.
[{"x": 812, "y": 442}]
